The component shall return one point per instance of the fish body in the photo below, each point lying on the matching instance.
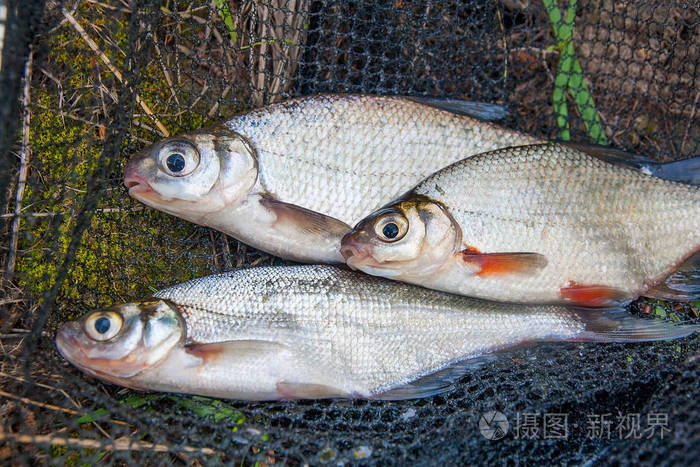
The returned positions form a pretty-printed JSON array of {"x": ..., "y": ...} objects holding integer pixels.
[
  {"x": 291, "y": 178},
  {"x": 533, "y": 224},
  {"x": 316, "y": 332}
]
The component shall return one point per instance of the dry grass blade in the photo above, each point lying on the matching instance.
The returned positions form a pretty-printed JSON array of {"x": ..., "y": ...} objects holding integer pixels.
[
  {"x": 164, "y": 131},
  {"x": 24, "y": 158},
  {"x": 52, "y": 407},
  {"x": 279, "y": 42},
  {"x": 119, "y": 444}
]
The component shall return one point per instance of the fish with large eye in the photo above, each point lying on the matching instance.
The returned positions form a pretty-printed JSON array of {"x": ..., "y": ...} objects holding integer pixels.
[
  {"x": 179, "y": 158},
  {"x": 538, "y": 224},
  {"x": 373, "y": 338}
]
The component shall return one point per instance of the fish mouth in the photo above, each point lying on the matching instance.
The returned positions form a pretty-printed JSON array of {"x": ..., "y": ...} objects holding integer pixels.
[
  {"x": 69, "y": 347},
  {"x": 355, "y": 252},
  {"x": 134, "y": 182},
  {"x": 359, "y": 256}
]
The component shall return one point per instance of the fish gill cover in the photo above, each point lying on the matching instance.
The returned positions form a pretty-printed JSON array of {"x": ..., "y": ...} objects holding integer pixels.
[{"x": 100, "y": 80}]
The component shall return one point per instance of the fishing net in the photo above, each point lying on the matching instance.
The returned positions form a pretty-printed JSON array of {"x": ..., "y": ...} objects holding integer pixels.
[{"x": 85, "y": 84}]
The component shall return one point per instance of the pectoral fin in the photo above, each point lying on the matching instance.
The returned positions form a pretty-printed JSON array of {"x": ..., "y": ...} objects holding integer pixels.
[
  {"x": 498, "y": 264},
  {"x": 210, "y": 353},
  {"x": 310, "y": 230}
]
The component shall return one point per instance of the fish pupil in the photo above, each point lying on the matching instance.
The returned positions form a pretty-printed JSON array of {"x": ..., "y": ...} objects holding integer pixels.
[
  {"x": 102, "y": 325},
  {"x": 390, "y": 230},
  {"x": 175, "y": 162}
]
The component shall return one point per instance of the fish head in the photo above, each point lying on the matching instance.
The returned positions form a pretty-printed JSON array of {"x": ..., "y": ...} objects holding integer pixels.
[
  {"x": 118, "y": 343},
  {"x": 413, "y": 235},
  {"x": 194, "y": 174}
]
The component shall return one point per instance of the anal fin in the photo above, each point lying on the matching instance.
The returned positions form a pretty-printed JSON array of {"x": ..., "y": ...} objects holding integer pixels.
[
  {"x": 435, "y": 383},
  {"x": 683, "y": 284},
  {"x": 595, "y": 296}
]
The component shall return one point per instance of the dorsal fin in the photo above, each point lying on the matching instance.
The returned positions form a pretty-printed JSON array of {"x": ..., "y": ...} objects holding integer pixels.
[
  {"x": 685, "y": 171},
  {"x": 481, "y": 110}
]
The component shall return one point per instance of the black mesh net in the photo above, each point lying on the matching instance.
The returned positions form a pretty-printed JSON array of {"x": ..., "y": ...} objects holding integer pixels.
[{"x": 105, "y": 78}]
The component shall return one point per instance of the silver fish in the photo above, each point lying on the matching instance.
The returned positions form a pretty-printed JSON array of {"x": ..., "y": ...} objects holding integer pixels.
[
  {"x": 317, "y": 332},
  {"x": 535, "y": 224},
  {"x": 291, "y": 178}
]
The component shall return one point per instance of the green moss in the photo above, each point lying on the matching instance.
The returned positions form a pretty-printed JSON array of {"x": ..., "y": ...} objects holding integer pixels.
[{"x": 125, "y": 250}]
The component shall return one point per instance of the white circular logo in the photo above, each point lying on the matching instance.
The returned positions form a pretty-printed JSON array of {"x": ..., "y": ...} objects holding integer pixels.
[{"x": 493, "y": 425}]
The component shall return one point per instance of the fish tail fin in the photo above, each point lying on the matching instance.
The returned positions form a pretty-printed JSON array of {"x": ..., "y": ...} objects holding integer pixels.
[
  {"x": 682, "y": 285},
  {"x": 686, "y": 170},
  {"x": 618, "y": 325}
]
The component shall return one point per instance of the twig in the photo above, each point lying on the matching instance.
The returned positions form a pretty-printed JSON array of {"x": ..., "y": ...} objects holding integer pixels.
[
  {"x": 690, "y": 120},
  {"x": 44, "y": 405},
  {"x": 24, "y": 158},
  {"x": 164, "y": 131},
  {"x": 110, "y": 7},
  {"x": 63, "y": 213},
  {"x": 215, "y": 107},
  {"x": 503, "y": 36},
  {"x": 227, "y": 251},
  {"x": 285, "y": 50},
  {"x": 166, "y": 74},
  {"x": 259, "y": 87},
  {"x": 119, "y": 444},
  {"x": 213, "y": 249}
]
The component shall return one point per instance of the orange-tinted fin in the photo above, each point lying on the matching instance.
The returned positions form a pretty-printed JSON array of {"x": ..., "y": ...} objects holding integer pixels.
[
  {"x": 593, "y": 295},
  {"x": 618, "y": 325},
  {"x": 684, "y": 284},
  {"x": 496, "y": 264},
  {"x": 209, "y": 353}
]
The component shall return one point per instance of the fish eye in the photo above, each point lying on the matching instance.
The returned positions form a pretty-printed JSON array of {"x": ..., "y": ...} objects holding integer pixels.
[
  {"x": 175, "y": 162},
  {"x": 391, "y": 227},
  {"x": 103, "y": 325},
  {"x": 179, "y": 158}
]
